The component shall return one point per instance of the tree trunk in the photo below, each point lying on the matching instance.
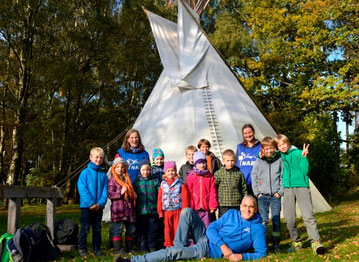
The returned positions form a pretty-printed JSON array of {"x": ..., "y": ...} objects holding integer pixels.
[
  {"x": 22, "y": 92},
  {"x": 2, "y": 153},
  {"x": 347, "y": 136},
  {"x": 17, "y": 145}
]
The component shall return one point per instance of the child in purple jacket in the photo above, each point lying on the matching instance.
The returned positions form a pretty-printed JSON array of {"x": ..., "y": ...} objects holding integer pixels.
[{"x": 123, "y": 214}]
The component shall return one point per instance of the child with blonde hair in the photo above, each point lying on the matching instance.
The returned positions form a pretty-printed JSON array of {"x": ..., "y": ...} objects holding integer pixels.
[
  {"x": 267, "y": 186},
  {"x": 185, "y": 168},
  {"x": 172, "y": 198},
  {"x": 296, "y": 189},
  {"x": 122, "y": 195},
  {"x": 92, "y": 187}
]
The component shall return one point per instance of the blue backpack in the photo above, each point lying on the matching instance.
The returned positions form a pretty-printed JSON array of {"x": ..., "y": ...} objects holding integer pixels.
[{"x": 33, "y": 243}]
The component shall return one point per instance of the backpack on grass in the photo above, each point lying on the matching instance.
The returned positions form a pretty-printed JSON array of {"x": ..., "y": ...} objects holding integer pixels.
[
  {"x": 4, "y": 252},
  {"x": 66, "y": 231},
  {"x": 33, "y": 243}
]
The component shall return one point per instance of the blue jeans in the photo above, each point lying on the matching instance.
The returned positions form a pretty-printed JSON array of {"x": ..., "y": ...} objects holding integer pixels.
[
  {"x": 189, "y": 223},
  {"x": 117, "y": 229},
  {"x": 88, "y": 219},
  {"x": 275, "y": 206}
]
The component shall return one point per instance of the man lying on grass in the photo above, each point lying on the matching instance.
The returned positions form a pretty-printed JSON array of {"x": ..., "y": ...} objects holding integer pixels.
[{"x": 231, "y": 237}]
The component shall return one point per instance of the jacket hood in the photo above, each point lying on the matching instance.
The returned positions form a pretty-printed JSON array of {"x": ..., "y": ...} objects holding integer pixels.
[
  {"x": 95, "y": 167},
  {"x": 290, "y": 150}
]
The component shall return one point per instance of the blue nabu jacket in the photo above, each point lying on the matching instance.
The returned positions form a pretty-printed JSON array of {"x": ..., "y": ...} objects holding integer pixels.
[
  {"x": 92, "y": 186},
  {"x": 133, "y": 159},
  {"x": 246, "y": 156},
  {"x": 238, "y": 234}
]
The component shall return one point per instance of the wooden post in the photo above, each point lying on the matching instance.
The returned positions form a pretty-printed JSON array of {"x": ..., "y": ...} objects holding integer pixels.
[
  {"x": 13, "y": 219},
  {"x": 51, "y": 215}
]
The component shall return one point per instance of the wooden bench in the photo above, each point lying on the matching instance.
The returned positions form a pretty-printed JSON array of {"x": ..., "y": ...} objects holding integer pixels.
[{"x": 15, "y": 194}]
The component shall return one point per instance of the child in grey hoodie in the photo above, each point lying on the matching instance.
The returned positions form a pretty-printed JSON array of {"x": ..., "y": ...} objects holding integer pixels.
[{"x": 268, "y": 186}]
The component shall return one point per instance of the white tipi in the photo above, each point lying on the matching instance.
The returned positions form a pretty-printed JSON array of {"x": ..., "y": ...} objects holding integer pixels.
[{"x": 197, "y": 96}]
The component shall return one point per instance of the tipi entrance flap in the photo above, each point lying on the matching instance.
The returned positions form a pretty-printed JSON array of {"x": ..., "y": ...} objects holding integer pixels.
[
  {"x": 165, "y": 33},
  {"x": 192, "y": 48}
]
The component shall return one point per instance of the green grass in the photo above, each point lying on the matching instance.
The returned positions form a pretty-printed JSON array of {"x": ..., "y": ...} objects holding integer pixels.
[{"x": 339, "y": 230}]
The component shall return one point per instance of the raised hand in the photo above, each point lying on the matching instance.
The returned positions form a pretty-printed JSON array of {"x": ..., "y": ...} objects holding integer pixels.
[
  {"x": 261, "y": 153},
  {"x": 305, "y": 151}
]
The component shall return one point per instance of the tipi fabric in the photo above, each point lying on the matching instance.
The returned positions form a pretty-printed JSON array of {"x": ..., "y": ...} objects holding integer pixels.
[{"x": 197, "y": 96}]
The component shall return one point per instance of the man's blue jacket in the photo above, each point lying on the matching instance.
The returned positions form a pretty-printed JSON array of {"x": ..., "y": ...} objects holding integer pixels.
[{"x": 238, "y": 234}]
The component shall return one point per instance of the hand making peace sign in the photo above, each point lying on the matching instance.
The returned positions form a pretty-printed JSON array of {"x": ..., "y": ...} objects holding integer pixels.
[{"x": 305, "y": 151}]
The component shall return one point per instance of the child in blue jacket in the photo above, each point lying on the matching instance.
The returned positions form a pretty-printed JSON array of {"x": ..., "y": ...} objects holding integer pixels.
[{"x": 92, "y": 187}]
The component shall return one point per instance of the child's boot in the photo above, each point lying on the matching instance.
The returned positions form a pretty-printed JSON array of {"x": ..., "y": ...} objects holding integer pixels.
[
  {"x": 318, "y": 248},
  {"x": 295, "y": 246},
  {"x": 129, "y": 245},
  {"x": 276, "y": 240},
  {"x": 117, "y": 245}
]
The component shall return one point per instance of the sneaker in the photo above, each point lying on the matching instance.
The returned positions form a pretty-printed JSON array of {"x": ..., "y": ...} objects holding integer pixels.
[
  {"x": 295, "y": 246},
  {"x": 318, "y": 249},
  {"x": 121, "y": 259},
  {"x": 98, "y": 253},
  {"x": 82, "y": 253}
]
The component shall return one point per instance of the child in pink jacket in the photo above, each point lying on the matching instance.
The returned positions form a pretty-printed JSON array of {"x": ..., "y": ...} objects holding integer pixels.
[{"x": 200, "y": 183}]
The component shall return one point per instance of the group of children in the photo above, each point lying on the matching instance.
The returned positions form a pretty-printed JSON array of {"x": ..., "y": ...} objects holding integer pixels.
[{"x": 203, "y": 184}]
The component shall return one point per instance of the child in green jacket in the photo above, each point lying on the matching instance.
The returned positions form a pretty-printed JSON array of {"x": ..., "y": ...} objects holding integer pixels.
[
  {"x": 296, "y": 189},
  {"x": 146, "y": 187}
]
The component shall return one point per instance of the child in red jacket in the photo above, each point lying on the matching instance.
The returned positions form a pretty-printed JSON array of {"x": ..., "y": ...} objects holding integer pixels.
[
  {"x": 172, "y": 198},
  {"x": 202, "y": 188}
]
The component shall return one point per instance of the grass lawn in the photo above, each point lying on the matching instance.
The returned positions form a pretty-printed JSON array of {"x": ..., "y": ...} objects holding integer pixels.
[{"x": 339, "y": 230}]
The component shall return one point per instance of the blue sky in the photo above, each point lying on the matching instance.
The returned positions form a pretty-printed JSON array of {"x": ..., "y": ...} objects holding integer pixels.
[{"x": 341, "y": 128}]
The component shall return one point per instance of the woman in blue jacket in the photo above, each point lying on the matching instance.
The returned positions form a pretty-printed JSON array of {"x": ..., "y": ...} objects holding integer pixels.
[
  {"x": 247, "y": 153},
  {"x": 133, "y": 151}
]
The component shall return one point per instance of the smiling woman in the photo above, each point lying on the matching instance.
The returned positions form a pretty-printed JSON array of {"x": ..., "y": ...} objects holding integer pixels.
[
  {"x": 133, "y": 151},
  {"x": 247, "y": 153}
]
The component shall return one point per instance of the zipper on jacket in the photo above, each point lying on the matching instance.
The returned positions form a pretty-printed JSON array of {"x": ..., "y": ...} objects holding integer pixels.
[
  {"x": 270, "y": 179},
  {"x": 230, "y": 185},
  {"x": 148, "y": 211},
  {"x": 200, "y": 192},
  {"x": 289, "y": 171}
]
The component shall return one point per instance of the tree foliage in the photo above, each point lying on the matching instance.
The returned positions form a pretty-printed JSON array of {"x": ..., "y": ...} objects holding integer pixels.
[
  {"x": 73, "y": 75},
  {"x": 298, "y": 59}
]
